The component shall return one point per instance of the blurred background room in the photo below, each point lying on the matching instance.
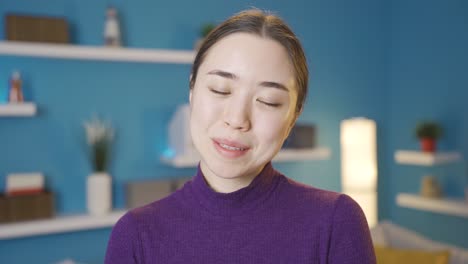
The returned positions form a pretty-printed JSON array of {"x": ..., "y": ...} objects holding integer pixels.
[{"x": 93, "y": 98}]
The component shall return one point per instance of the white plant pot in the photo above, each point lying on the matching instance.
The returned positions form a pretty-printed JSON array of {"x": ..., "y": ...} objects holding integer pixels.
[{"x": 99, "y": 193}]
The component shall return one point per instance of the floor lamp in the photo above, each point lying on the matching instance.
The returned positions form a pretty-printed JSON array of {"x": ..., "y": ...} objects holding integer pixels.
[{"x": 359, "y": 164}]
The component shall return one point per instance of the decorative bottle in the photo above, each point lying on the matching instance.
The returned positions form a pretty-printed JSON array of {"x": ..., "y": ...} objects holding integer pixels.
[
  {"x": 112, "y": 30},
  {"x": 15, "y": 93}
]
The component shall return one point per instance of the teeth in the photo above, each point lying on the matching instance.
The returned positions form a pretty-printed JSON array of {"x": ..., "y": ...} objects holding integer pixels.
[{"x": 229, "y": 147}]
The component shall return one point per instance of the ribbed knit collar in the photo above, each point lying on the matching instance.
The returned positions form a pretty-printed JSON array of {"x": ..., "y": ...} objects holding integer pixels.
[{"x": 238, "y": 202}]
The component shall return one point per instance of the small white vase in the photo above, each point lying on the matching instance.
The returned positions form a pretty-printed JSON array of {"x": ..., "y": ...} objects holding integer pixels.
[{"x": 99, "y": 193}]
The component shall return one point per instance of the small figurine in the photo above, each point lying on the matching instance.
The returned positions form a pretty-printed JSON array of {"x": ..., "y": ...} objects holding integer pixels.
[
  {"x": 430, "y": 187},
  {"x": 112, "y": 30},
  {"x": 15, "y": 93}
]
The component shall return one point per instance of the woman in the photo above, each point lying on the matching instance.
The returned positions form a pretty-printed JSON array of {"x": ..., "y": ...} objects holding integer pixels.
[{"x": 247, "y": 88}]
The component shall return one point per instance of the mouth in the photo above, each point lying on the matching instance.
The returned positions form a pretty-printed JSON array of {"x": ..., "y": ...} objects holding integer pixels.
[
  {"x": 230, "y": 149},
  {"x": 225, "y": 146}
]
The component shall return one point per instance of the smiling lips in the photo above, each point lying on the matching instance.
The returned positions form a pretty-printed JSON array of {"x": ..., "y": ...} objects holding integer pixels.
[{"x": 230, "y": 149}]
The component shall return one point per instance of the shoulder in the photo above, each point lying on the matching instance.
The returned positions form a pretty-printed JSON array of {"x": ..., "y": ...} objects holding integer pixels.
[
  {"x": 340, "y": 218},
  {"x": 309, "y": 194},
  {"x": 126, "y": 243},
  {"x": 328, "y": 203},
  {"x": 350, "y": 238},
  {"x": 348, "y": 208}
]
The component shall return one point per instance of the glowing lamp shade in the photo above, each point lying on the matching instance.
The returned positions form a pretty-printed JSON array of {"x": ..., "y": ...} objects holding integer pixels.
[{"x": 359, "y": 164}]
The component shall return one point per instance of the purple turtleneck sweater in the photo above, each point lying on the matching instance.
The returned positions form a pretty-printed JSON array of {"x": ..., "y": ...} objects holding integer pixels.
[{"x": 273, "y": 220}]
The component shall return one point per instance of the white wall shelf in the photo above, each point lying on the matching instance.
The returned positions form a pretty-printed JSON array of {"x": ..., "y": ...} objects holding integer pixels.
[
  {"x": 181, "y": 161},
  {"x": 18, "y": 109},
  {"x": 426, "y": 159},
  {"x": 443, "y": 206},
  {"x": 285, "y": 155},
  {"x": 68, "y": 51},
  {"x": 60, "y": 224}
]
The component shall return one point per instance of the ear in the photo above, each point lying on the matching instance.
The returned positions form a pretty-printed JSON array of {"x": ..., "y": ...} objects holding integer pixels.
[
  {"x": 296, "y": 116},
  {"x": 293, "y": 122},
  {"x": 291, "y": 125}
]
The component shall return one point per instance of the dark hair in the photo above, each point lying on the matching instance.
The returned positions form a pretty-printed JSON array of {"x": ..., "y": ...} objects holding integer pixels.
[{"x": 265, "y": 25}]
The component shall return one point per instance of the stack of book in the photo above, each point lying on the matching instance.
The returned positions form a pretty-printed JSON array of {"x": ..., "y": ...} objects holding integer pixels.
[{"x": 25, "y": 198}]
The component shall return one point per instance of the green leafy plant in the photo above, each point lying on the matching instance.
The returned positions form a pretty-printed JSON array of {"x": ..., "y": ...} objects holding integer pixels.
[
  {"x": 206, "y": 29},
  {"x": 99, "y": 135},
  {"x": 428, "y": 129}
]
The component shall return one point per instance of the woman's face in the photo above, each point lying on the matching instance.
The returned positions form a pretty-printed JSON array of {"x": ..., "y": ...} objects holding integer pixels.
[{"x": 242, "y": 105}]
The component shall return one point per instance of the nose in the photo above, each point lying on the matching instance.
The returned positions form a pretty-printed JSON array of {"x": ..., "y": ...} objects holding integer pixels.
[{"x": 237, "y": 116}]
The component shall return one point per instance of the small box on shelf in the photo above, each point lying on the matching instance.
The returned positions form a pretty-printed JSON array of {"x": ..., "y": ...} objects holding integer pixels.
[
  {"x": 3, "y": 210},
  {"x": 14, "y": 208},
  {"x": 24, "y": 183},
  {"x": 142, "y": 192},
  {"x": 29, "y": 28},
  {"x": 302, "y": 136}
]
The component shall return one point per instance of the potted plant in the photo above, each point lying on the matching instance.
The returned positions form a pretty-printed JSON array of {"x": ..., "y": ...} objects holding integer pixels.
[
  {"x": 428, "y": 133},
  {"x": 99, "y": 135},
  {"x": 205, "y": 29}
]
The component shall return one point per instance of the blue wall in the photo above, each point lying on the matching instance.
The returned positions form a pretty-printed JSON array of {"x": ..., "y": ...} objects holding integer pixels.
[
  {"x": 393, "y": 61},
  {"x": 428, "y": 80}
]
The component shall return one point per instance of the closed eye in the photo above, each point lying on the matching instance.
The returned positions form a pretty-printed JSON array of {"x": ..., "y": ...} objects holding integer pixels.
[
  {"x": 219, "y": 92},
  {"x": 269, "y": 104}
]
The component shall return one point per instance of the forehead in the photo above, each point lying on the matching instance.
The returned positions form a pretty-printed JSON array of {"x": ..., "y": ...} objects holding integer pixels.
[{"x": 251, "y": 57}]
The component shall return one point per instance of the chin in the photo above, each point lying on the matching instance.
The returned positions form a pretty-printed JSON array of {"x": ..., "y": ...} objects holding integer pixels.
[
  {"x": 228, "y": 170},
  {"x": 223, "y": 169}
]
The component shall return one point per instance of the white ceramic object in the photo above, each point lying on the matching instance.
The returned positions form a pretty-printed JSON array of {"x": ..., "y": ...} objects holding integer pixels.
[
  {"x": 99, "y": 193},
  {"x": 180, "y": 139}
]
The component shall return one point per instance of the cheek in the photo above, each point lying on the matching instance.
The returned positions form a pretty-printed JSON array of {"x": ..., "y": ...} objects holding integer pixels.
[
  {"x": 205, "y": 111},
  {"x": 271, "y": 128}
]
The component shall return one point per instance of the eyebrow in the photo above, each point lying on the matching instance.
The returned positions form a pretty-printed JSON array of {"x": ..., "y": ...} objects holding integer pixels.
[
  {"x": 224, "y": 74},
  {"x": 274, "y": 85},
  {"x": 234, "y": 77}
]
